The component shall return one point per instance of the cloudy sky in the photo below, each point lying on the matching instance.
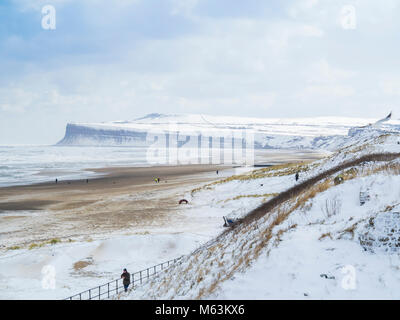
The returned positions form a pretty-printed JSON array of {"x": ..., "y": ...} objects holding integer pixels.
[{"x": 113, "y": 60}]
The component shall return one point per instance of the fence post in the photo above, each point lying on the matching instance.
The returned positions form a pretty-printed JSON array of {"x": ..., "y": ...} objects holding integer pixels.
[
  {"x": 80, "y": 296},
  {"x": 140, "y": 277},
  {"x": 99, "y": 292},
  {"x": 116, "y": 285},
  {"x": 90, "y": 294},
  {"x": 108, "y": 290}
]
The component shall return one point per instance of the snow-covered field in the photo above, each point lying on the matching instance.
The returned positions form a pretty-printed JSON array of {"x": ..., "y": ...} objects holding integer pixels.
[{"x": 23, "y": 272}]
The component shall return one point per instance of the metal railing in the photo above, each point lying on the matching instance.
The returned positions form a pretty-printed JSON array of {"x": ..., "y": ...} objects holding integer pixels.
[{"x": 115, "y": 286}]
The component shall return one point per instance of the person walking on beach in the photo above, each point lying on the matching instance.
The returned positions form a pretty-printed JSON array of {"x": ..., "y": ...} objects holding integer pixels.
[
  {"x": 56, "y": 181},
  {"x": 297, "y": 176},
  {"x": 126, "y": 279}
]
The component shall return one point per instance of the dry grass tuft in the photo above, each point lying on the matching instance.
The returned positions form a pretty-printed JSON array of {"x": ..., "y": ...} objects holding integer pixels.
[
  {"x": 332, "y": 207},
  {"x": 262, "y": 221},
  {"x": 325, "y": 235},
  {"x": 272, "y": 171},
  {"x": 350, "y": 230},
  {"x": 14, "y": 248},
  {"x": 82, "y": 264},
  {"x": 265, "y": 196}
]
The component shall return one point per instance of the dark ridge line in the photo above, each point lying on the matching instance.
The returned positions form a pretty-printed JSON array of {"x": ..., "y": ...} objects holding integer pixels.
[
  {"x": 265, "y": 208},
  {"x": 292, "y": 192},
  {"x": 297, "y": 189}
]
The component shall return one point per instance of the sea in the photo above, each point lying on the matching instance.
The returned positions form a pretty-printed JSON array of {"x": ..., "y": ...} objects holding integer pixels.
[{"x": 20, "y": 165}]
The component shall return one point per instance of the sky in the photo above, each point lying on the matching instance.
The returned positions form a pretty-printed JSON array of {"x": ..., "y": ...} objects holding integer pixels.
[{"x": 122, "y": 59}]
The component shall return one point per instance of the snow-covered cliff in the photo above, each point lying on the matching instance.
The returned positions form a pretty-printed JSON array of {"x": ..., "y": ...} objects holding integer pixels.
[
  {"x": 86, "y": 134},
  {"x": 306, "y": 133}
]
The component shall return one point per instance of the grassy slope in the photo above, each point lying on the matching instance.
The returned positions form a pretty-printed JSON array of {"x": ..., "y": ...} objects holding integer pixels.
[{"x": 199, "y": 274}]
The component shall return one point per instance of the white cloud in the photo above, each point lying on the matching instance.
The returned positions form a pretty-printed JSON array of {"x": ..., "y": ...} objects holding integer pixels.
[
  {"x": 391, "y": 86},
  {"x": 326, "y": 91},
  {"x": 322, "y": 72},
  {"x": 25, "y": 5},
  {"x": 183, "y": 7},
  {"x": 222, "y": 64},
  {"x": 37, "y": 5}
]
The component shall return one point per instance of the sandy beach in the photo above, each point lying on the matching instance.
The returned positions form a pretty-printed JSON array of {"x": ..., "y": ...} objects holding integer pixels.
[
  {"x": 118, "y": 199},
  {"x": 120, "y": 218},
  {"x": 122, "y": 199},
  {"x": 68, "y": 194}
]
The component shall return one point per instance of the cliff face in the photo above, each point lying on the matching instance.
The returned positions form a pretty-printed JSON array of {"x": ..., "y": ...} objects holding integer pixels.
[
  {"x": 306, "y": 133},
  {"x": 76, "y": 134}
]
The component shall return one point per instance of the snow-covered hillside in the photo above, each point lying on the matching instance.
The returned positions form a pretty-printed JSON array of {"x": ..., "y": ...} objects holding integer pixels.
[
  {"x": 307, "y": 133},
  {"x": 338, "y": 238}
]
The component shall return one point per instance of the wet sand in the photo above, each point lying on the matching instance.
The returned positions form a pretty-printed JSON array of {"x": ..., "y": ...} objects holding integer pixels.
[
  {"x": 122, "y": 199},
  {"x": 116, "y": 180}
]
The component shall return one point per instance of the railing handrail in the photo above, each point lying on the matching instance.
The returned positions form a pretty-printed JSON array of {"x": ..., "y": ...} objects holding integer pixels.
[{"x": 89, "y": 291}]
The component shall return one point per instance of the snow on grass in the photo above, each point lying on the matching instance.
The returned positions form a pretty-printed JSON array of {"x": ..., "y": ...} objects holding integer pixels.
[
  {"x": 305, "y": 266},
  {"x": 82, "y": 265},
  {"x": 88, "y": 261},
  {"x": 307, "y": 247}
]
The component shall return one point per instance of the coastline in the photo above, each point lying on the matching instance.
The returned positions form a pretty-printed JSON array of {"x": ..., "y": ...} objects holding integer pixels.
[
  {"x": 123, "y": 199},
  {"x": 112, "y": 199},
  {"x": 122, "y": 211}
]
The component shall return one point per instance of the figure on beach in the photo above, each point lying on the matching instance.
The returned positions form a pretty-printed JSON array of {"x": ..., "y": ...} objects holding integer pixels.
[
  {"x": 217, "y": 171},
  {"x": 126, "y": 279},
  {"x": 56, "y": 181},
  {"x": 297, "y": 176}
]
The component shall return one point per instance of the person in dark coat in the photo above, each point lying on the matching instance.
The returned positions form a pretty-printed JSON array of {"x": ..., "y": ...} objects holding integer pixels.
[
  {"x": 297, "y": 176},
  {"x": 126, "y": 279}
]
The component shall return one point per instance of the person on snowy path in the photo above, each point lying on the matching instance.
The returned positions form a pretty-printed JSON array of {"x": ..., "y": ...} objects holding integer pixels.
[
  {"x": 126, "y": 279},
  {"x": 297, "y": 176}
]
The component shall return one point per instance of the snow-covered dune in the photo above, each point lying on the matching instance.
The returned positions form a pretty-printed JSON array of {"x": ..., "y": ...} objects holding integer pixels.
[{"x": 338, "y": 239}]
